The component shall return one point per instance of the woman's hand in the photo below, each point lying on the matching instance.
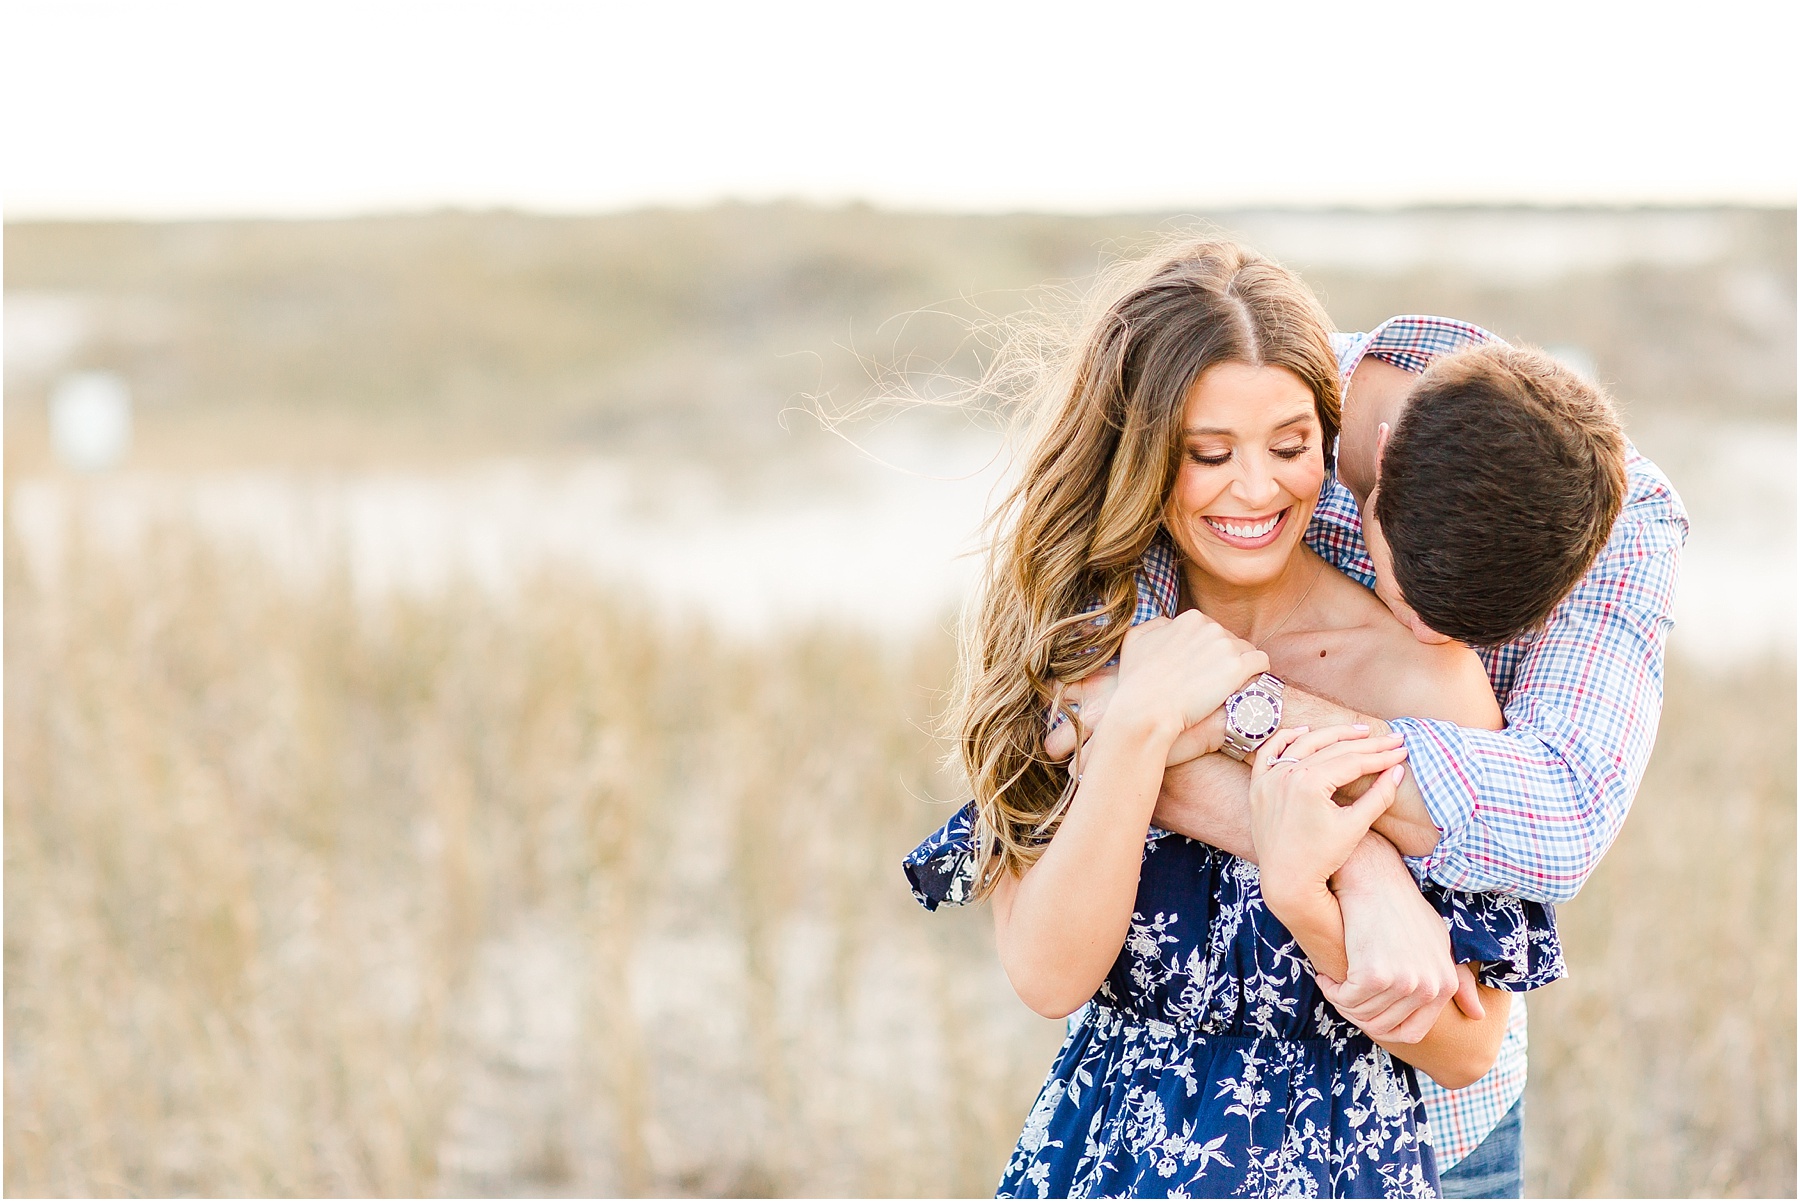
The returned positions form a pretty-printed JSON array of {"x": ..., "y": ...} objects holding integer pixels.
[
  {"x": 1060, "y": 927},
  {"x": 1301, "y": 835},
  {"x": 1179, "y": 671}
]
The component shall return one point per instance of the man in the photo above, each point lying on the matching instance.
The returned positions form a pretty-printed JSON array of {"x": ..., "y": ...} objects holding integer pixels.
[{"x": 1479, "y": 502}]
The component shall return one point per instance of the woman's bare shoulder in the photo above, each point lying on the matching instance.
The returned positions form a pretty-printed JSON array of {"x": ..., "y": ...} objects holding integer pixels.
[
  {"x": 1381, "y": 669},
  {"x": 1450, "y": 683}
]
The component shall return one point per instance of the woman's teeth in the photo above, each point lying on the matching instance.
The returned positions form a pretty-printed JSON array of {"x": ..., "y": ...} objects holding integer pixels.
[{"x": 1241, "y": 530}]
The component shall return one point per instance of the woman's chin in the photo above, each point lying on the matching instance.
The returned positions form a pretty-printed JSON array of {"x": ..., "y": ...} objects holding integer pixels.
[
  {"x": 1240, "y": 568},
  {"x": 1249, "y": 578}
]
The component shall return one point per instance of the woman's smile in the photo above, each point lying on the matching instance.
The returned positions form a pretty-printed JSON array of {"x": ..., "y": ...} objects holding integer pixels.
[{"x": 1249, "y": 534}]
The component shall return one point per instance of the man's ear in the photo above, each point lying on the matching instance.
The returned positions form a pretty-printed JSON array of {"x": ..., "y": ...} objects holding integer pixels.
[{"x": 1381, "y": 440}]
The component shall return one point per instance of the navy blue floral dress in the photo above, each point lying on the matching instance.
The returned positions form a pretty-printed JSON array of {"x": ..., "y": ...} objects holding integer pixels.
[{"x": 1209, "y": 1064}]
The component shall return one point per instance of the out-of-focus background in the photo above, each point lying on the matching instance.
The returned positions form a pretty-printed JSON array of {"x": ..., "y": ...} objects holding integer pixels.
[{"x": 463, "y": 711}]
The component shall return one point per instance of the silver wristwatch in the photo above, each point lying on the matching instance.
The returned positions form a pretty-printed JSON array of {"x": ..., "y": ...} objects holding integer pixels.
[{"x": 1252, "y": 715}]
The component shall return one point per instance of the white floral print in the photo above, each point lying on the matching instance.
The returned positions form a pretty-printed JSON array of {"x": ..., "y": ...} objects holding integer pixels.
[{"x": 1209, "y": 1065}]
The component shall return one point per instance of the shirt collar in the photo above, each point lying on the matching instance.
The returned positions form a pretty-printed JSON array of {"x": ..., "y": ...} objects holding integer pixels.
[{"x": 1411, "y": 342}]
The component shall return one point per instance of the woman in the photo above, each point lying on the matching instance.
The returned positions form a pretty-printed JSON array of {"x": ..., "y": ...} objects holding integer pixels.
[{"x": 1190, "y": 435}]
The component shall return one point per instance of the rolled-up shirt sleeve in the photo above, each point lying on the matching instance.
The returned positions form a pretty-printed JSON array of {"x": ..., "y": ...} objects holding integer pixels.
[{"x": 1529, "y": 810}]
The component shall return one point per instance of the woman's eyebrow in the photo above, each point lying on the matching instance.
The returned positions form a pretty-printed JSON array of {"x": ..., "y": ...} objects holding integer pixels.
[{"x": 1192, "y": 431}]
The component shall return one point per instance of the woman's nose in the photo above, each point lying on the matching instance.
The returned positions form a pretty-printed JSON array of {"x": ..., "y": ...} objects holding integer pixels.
[{"x": 1256, "y": 487}]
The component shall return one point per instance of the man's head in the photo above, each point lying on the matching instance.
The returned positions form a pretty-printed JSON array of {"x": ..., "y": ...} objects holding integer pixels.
[{"x": 1495, "y": 491}]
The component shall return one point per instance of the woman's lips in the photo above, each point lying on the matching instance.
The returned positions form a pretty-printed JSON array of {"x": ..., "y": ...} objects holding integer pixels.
[{"x": 1251, "y": 534}]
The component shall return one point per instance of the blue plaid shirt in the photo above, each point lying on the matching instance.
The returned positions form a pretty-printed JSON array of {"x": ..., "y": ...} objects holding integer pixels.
[{"x": 1528, "y": 810}]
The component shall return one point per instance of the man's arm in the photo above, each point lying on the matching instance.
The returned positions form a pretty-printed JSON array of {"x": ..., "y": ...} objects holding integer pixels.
[
  {"x": 1303, "y": 838},
  {"x": 1209, "y": 798}
]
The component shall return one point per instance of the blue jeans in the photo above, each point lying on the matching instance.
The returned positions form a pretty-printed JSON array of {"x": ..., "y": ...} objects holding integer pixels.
[{"x": 1496, "y": 1168}]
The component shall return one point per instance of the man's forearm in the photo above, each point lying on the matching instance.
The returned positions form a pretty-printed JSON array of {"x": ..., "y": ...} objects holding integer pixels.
[{"x": 1209, "y": 798}]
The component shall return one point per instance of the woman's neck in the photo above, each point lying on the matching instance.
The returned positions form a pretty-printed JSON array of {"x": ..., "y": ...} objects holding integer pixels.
[{"x": 1256, "y": 613}]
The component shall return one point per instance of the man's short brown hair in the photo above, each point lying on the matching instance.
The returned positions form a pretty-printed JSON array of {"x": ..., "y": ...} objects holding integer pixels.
[{"x": 1499, "y": 486}]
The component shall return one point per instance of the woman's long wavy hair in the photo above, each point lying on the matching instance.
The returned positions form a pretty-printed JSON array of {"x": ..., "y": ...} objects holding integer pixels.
[{"x": 1103, "y": 447}]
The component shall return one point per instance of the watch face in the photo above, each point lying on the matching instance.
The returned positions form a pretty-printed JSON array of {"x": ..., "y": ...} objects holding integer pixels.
[{"x": 1254, "y": 715}]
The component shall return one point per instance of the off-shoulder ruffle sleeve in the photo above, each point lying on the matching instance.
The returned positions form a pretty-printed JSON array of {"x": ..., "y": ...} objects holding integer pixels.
[
  {"x": 1515, "y": 940},
  {"x": 941, "y": 870}
]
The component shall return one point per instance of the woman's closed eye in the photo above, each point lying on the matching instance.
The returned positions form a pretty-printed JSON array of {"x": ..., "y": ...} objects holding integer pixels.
[
  {"x": 1220, "y": 458},
  {"x": 1216, "y": 460}
]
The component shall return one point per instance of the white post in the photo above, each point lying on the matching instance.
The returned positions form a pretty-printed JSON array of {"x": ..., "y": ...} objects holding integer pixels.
[{"x": 90, "y": 420}]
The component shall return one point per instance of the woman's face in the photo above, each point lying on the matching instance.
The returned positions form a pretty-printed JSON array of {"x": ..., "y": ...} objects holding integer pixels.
[{"x": 1251, "y": 469}]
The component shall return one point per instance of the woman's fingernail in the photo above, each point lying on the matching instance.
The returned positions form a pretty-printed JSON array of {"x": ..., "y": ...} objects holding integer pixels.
[
  {"x": 1299, "y": 730},
  {"x": 1359, "y": 726}
]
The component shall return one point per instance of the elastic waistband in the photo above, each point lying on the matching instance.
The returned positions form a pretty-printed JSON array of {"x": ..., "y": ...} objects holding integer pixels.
[{"x": 1110, "y": 1022}]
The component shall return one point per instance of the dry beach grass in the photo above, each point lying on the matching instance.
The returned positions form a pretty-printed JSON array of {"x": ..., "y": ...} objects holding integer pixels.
[
  {"x": 459, "y": 896},
  {"x": 448, "y": 898},
  {"x": 1664, "y": 1064}
]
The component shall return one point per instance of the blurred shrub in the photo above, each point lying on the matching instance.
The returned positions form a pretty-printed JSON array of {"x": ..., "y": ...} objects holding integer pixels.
[{"x": 699, "y": 327}]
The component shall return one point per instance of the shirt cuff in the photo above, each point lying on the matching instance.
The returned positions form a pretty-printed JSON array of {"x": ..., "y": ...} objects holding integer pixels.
[{"x": 1437, "y": 761}]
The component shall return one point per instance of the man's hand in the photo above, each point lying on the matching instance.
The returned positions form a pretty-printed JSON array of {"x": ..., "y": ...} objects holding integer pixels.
[
  {"x": 1089, "y": 698},
  {"x": 1401, "y": 976}
]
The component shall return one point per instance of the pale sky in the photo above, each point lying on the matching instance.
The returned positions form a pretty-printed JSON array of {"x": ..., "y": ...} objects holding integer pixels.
[{"x": 158, "y": 109}]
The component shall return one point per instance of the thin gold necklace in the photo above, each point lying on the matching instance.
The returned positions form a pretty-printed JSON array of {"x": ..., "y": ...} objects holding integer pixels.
[{"x": 1289, "y": 616}]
